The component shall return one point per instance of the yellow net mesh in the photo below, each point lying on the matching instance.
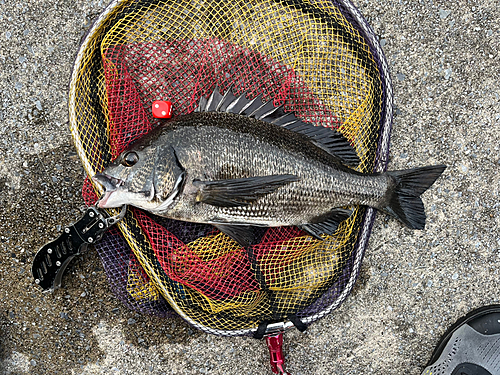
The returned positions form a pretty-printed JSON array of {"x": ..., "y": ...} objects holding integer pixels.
[{"x": 304, "y": 54}]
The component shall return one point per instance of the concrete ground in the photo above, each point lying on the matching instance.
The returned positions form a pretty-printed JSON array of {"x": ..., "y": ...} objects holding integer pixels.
[{"x": 445, "y": 66}]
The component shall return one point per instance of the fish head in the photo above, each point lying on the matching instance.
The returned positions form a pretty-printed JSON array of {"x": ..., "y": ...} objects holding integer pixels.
[
  {"x": 149, "y": 177},
  {"x": 129, "y": 179}
]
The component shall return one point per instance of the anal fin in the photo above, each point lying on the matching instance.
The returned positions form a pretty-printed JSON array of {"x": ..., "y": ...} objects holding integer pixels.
[{"x": 327, "y": 226}]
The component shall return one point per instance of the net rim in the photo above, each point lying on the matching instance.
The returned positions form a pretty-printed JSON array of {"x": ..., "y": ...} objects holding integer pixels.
[
  {"x": 73, "y": 127},
  {"x": 380, "y": 163}
]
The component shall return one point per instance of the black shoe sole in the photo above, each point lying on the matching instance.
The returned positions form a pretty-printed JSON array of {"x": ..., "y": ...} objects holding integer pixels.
[{"x": 470, "y": 317}]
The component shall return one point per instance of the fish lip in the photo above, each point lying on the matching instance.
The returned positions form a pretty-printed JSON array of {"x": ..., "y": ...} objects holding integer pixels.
[
  {"x": 104, "y": 199},
  {"x": 108, "y": 182}
]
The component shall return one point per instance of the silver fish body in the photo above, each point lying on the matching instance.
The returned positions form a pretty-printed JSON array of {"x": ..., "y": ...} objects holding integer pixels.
[
  {"x": 211, "y": 152},
  {"x": 227, "y": 169}
]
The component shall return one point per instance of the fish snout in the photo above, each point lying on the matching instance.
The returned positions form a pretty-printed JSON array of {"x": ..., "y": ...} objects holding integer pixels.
[{"x": 108, "y": 182}]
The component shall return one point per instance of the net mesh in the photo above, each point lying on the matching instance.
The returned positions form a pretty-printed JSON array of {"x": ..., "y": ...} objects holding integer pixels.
[{"x": 310, "y": 56}]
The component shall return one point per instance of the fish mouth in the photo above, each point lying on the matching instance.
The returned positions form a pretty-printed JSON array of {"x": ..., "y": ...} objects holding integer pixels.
[
  {"x": 108, "y": 182},
  {"x": 111, "y": 184}
]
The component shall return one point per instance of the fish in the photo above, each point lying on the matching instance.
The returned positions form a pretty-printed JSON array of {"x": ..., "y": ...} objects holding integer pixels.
[{"x": 240, "y": 163}]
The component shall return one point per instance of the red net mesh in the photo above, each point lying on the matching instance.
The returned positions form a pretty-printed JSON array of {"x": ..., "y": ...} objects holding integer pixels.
[
  {"x": 226, "y": 275},
  {"x": 138, "y": 74}
]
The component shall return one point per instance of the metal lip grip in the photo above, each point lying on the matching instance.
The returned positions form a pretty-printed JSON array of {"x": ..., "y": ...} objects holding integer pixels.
[{"x": 51, "y": 260}]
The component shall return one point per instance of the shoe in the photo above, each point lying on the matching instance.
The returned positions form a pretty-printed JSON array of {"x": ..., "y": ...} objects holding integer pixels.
[{"x": 470, "y": 347}]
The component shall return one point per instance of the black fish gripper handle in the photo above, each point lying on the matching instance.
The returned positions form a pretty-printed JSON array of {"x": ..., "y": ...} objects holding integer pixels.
[{"x": 51, "y": 260}]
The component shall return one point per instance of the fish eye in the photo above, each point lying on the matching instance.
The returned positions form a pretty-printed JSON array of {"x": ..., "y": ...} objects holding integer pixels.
[{"x": 130, "y": 158}]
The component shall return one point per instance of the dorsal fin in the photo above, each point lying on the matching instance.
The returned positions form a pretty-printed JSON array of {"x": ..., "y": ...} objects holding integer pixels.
[
  {"x": 201, "y": 105},
  {"x": 214, "y": 101},
  {"x": 329, "y": 140},
  {"x": 227, "y": 99},
  {"x": 251, "y": 106}
]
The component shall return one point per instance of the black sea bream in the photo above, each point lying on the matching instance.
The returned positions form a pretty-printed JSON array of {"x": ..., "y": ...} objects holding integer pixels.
[{"x": 237, "y": 163}]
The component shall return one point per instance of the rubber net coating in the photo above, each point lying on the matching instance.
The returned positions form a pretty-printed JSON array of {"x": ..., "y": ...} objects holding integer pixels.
[{"x": 305, "y": 55}]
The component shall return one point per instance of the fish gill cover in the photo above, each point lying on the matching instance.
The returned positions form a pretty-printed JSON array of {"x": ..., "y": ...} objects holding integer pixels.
[{"x": 317, "y": 58}]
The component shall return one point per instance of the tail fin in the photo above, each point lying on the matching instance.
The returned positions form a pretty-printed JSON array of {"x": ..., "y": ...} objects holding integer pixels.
[{"x": 405, "y": 203}]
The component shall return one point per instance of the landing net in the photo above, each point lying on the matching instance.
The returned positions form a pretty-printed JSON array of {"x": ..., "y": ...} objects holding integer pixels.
[{"x": 318, "y": 58}]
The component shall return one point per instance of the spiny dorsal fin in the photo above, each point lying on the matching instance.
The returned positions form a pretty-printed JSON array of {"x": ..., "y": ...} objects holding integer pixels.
[
  {"x": 214, "y": 101},
  {"x": 251, "y": 106},
  {"x": 201, "y": 105},
  {"x": 329, "y": 140},
  {"x": 227, "y": 99}
]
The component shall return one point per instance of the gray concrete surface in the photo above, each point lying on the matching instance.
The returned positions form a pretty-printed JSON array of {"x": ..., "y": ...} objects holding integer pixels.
[{"x": 445, "y": 65}]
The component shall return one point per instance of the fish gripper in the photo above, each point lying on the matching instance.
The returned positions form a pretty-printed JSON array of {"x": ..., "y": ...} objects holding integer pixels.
[{"x": 51, "y": 260}]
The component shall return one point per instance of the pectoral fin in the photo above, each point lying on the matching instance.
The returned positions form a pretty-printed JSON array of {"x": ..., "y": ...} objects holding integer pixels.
[
  {"x": 327, "y": 226},
  {"x": 239, "y": 191}
]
